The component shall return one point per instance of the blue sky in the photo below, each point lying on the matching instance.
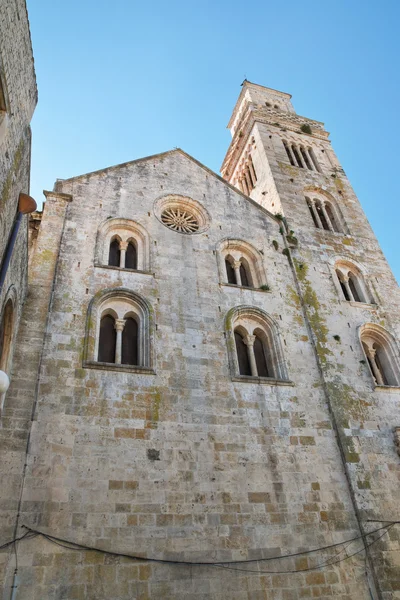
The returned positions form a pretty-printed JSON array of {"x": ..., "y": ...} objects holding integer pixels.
[{"x": 122, "y": 80}]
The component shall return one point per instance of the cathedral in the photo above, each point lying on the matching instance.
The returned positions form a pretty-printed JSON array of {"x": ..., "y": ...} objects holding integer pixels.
[{"x": 205, "y": 380}]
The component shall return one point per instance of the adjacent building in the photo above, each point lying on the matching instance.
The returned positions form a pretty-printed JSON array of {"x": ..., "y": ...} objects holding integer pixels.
[{"x": 18, "y": 98}]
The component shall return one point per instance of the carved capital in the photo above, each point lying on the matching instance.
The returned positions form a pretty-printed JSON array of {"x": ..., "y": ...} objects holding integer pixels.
[
  {"x": 249, "y": 340},
  {"x": 119, "y": 324}
]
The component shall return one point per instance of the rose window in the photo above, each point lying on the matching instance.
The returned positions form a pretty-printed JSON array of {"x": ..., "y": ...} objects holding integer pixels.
[{"x": 180, "y": 219}]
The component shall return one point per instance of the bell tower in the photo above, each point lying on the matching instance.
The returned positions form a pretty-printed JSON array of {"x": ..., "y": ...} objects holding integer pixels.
[
  {"x": 348, "y": 295},
  {"x": 270, "y": 140}
]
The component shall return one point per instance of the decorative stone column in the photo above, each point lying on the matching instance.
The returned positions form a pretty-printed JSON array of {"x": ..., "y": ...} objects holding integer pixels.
[
  {"x": 236, "y": 265},
  {"x": 292, "y": 155},
  {"x": 248, "y": 180},
  {"x": 345, "y": 281},
  {"x": 327, "y": 219},
  {"x": 122, "y": 247},
  {"x": 317, "y": 217},
  {"x": 249, "y": 341},
  {"x": 371, "y": 355},
  {"x": 244, "y": 184},
  {"x": 252, "y": 171},
  {"x": 119, "y": 327}
]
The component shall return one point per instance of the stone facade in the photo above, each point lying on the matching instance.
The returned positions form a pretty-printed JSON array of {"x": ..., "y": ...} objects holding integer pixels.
[
  {"x": 185, "y": 457},
  {"x": 18, "y": 97}
]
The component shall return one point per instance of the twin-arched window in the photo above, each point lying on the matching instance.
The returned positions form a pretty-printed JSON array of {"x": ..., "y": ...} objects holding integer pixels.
[
  {"x": 123, "y": 253},
  {"x": 381, "y": 354},
  {"x": 352, "y": 283},
  {"x": 124, "y": 244},
  {"x": 119, "y": 329},
  {"x": 324, "y": 214},
  {"x": 118, "y": 340},
  {"x": 254, "y": 343},
  {"x": 240, "y": 264}
]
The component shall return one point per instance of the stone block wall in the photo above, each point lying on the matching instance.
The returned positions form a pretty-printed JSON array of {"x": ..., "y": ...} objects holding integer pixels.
[
  {"x": 18, "y": 84},
  {"x": 185, "y": 463}
]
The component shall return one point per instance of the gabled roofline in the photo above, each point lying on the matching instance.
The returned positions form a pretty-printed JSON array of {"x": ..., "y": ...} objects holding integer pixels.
[
  {"x": 242, "y": 92},
  {"x": 186, "y": 155}
]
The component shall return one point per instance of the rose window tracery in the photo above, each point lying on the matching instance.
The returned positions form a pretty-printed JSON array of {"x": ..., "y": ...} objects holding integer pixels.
[{"x": 180, "y": 219}]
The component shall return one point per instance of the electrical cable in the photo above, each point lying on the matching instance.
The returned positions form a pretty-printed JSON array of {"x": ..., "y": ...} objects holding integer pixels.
[
  {"x": 291, "y": 571},
  {"x": 67, "y": 544}
]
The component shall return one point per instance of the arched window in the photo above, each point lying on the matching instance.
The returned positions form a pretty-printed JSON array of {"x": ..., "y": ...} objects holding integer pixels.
[
  {"x": 381, "y": 354},
  {"x": 123, "y": 243},
  {"x": 119, "y": 330},
  {"x": 107, "y": 339},
  {"x": 322, "y": 215},
  {"x": 342, "y": 285},
  {"x": 323, "y": 212},
  {"x": 353, "y": 288},
  {"x": 131, "y": 256},
  {"x": 240, "y": 263},
  {"x": 242, "y": 355},
  {"x": 260, "y": 352},
  {"x": 130, "y": 342},
  {"x": 255, "y": 338},
  {"x": 230, "y": 271},
  {"x": 331, "y": 217},
  {"x": 114, "y": 253},
  {"x": 352, "y": 283},
  {"x": 245, "y": 276}
]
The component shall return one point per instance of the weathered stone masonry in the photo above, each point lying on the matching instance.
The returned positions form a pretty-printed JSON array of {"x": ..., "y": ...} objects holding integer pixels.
[
  {"x": 185, "y": 457},
  {"x": 18, "y": 97}
]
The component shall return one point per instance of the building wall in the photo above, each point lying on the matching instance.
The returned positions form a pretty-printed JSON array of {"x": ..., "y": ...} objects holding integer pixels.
[
  {"x": 186, "y": 463},
  {"x": 17, "y": 79}
]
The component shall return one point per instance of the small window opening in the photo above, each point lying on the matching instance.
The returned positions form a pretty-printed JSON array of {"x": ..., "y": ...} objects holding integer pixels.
[
  {"x": 261, "y": 361},
  {"x": 322, "y": 216},
  {"x": 130, "y": 342},
  {"x": 131, "y": 257},
  {"x": 244, "y": 276},
  {"x": 354, "y": 289},
  {"x": 290, "y": 157},
  {"x": 107, "y": 340},
  {"x": 242, "y": 355},
  {"x": 297, "y": 157},
  {"x": 114, "y": 255},
  {"x": 230, "y": 272}
]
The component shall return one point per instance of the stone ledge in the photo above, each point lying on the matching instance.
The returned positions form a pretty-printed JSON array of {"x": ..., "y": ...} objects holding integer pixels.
[
  {"x": 91, "y": 364},
  {"x": 243, "y": 287},
  {"x": 262, "y": 380},
  {"x": 392, "y": 389},
  {"x": 123, "y": 269},
  {"x": 367, "y": 305}
]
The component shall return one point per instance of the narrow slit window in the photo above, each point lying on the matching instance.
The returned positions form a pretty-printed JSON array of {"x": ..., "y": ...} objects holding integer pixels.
[
  {"x": 244, "y": 276},
  {"x": 107, "y": 340},
  {"x": 311, "y": 209},
  {"x": 230, "y": 272},
  {"x": 114, "y": 255},
  {"x": 242, "y": 355},
  {"x": 306, "y": 159},
  {"x": 131, "y": 257},
  {"x": 261, "y": 361},
  {"x": 130, "y": 339},
  {"x": 297, "y": 157},
  {"x": 290, "y": 157},
  {"x": 322, "y": 217}
]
